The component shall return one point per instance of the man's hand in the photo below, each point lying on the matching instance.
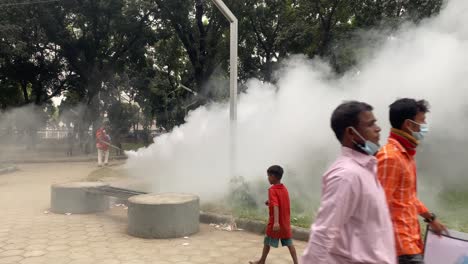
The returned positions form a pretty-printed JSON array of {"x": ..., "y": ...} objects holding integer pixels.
[
  {"x": 276, "y": 227},
  {"x": 438, "y": 227},
  {"x": 267, "y": 203}
]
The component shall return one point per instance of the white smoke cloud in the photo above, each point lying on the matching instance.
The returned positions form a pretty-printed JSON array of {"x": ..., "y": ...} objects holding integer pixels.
[{"x": 290, "y": 125}]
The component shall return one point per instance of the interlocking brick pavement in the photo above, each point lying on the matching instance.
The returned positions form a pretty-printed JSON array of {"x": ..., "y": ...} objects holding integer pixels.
[{"x": 29, "y": 235}]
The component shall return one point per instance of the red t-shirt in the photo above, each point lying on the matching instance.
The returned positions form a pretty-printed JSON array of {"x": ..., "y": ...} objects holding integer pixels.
[{"x": 278, "y": 196}]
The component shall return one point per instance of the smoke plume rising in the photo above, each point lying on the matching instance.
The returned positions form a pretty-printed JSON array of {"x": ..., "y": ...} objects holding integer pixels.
[{"x": 289, "y": 124}]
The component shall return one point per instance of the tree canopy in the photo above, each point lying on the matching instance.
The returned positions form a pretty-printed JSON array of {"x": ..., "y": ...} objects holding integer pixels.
[{"x": 161, "y": 55}]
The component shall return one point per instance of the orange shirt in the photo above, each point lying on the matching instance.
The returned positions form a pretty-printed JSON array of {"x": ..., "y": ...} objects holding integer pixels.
[{"x": 397, "y": 174}]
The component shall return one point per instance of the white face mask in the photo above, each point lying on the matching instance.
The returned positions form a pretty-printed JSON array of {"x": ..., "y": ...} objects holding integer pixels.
[
  {"x": 369, "y": 147},
  {"x": 423, "y": 130}
]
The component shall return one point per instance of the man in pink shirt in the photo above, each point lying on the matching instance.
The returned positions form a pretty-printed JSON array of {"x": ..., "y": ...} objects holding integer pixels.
[{"x": 353, "y": 223}]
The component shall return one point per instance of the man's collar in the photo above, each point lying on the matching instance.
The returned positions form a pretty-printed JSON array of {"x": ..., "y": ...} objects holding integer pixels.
[
  {"x": 402, "y": 144},
  {"x": 361, "y": 158},
  {"x": 277, "y": 186},
  {"x": 397, "y": 144}
]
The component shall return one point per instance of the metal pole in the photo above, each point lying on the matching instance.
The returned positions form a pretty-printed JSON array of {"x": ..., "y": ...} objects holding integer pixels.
[
  {"x": 225, "y": 10},
  {"x": 232, "y": 81}
]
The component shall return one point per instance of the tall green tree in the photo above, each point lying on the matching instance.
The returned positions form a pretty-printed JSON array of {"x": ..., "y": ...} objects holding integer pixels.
[
  {"x": 166, "y": 56},
  {"x": 262, "y": 28},
  {"x": 202, "y": 31},
  {"x": 163, "y": 97},
  {"x": 28, "y": 60},
  {"x": 97, "y": 38}
]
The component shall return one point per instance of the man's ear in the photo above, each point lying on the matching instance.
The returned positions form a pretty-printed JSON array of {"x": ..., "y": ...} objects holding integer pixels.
[
  {"x": 406, "y": 124},
  {"x": 352, "y": 133}
]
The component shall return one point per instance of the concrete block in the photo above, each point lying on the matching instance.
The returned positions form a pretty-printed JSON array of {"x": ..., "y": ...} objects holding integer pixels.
[
  {"x": 253, "y": 226},
  {"x": 168, "y": 215},
  {"x": 214, "y": 218},
  {"x": 75, "y": 198}
]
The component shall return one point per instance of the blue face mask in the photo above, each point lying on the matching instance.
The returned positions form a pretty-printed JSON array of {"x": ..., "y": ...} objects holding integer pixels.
[
  {"x": 368, "y": 147},
  {"x": 423, "y": 130}
]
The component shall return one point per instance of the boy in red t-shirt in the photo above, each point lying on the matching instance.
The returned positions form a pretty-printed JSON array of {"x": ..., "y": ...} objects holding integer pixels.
[{"x": 279, "y": 223}]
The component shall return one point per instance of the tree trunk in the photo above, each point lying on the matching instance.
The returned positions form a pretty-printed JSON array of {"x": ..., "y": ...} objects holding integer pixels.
[{"x": 24, "y": 88}]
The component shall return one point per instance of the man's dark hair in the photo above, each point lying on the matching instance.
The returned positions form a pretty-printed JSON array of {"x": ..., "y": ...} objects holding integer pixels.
[
  {"x": 406, "y": 108},
  {"x": 276, "y": 171},
  {"x": 347, "y": 115}
]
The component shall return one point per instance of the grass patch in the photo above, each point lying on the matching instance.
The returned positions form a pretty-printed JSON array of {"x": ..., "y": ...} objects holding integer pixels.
[
  {"x": 453, "y": 212},
  {"x": 251, "y": 214},
  {"x": 454, "y": 200},
  {"x": 240, "y": 204},
  {"x": 132, "y": 146},
  {"x": 7, "y": 166},
  {"x": 261, "y": 214},
  {"x": 454, "y": 209},
  {"x": 301, "y": 220},
  {"x": 238, "y": 212},
  {"x": 4, "y": 166},
  {"x": 104, "y": 173}
]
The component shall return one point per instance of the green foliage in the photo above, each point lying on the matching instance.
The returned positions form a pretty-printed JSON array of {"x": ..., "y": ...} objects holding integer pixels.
[
  {"x": 240, "y": 196},
  {"x": 452, "y": 208},
  {"x": 93, "y": 51},
  {"x": 10, "y": 95},
  {"x": 452, "y": 211},
  {"x": 121, "y": 117},
  {"x": 132, "y": 146}
]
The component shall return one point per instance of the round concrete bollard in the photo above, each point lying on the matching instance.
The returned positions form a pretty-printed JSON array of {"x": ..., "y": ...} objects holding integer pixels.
[
  {"x": 167, "y": 215},
  {"x": 78, "y": 198}
]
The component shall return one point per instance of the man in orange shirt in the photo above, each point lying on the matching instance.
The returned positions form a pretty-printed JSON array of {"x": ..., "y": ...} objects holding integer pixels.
[{"x": 397, "y": 174}]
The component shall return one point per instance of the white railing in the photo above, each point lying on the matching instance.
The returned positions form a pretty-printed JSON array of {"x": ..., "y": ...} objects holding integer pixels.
[{"x": 53, "y": 133}]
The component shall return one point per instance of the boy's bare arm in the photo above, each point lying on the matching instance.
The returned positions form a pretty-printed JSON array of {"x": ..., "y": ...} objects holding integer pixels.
[{"x": 276, "y": 226}]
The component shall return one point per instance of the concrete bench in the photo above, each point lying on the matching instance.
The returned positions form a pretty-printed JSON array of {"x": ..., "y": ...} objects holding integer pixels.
[
  {"x": 75, "y": 198},
  {"x": 168, "y": 215}
]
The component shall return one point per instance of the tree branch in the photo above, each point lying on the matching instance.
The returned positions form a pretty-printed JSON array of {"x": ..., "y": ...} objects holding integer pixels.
[
  {"x": 201, "y": 28},
  {"x": 257, "y": 34}
]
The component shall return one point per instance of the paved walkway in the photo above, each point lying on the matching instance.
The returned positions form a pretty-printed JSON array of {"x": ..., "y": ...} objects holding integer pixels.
[{"x": 30, "y": 235}]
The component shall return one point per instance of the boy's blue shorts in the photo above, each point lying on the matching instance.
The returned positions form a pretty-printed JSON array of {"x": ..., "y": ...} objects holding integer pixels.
[{"x": 274, "y": 242}]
